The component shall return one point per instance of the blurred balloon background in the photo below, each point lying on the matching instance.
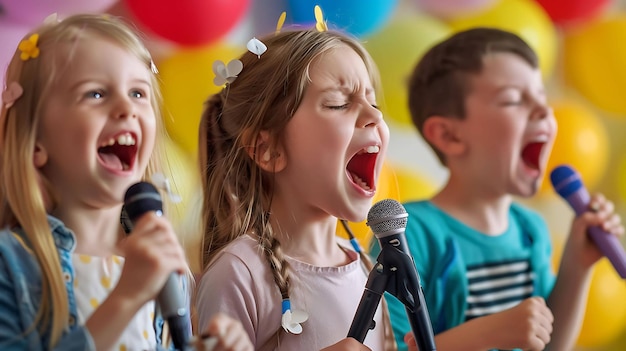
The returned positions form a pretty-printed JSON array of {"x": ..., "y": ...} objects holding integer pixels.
[{"x": 579, "y": 43}]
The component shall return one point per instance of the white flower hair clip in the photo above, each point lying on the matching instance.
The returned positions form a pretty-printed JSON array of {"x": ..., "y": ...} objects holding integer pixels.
[
  {"x": 256, "y": 47},
  {"x": 226, "y": 73},
  {"x": 52, "y": 18},
  {"x": 12, "y": 92},
  {"x": 291, "y": 320},
  {"x": 160, "y": 181}
]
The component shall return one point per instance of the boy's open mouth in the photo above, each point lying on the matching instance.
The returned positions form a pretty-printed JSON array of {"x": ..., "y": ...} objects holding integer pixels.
[
  {"x": 531, "y": 154},
  {"x": 119, "y": 152},
  {"x": 361, "y": 167}
]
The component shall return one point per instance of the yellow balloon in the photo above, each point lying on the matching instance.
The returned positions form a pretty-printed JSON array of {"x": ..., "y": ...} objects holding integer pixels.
[
  {"x": 187, "y": 81},
  {"x": 396, "y": 50},
  {"x": 582, "y": 142},
  {"x": 183, "y": 175},
  {"x": 605, "y": 314},
  {"x": 594, "y": 64},
  {"x": 526, "y": 18},
  {"x": 386, "y": 188},
  {"x": 412, "y": 185},
  {"x": 621, "y": 176}
]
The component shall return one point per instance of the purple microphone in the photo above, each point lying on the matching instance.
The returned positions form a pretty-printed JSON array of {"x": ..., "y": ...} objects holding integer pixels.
[{"x": 567, "y": 183}]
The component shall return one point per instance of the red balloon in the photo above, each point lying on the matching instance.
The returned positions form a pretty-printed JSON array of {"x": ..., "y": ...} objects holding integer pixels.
[
  {"x": 189, "y": 22},
  {"x": 568, "y": 11}
]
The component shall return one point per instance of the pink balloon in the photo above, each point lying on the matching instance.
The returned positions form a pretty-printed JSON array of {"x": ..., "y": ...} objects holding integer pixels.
[
  {"x": 33, "y": 12},
  {"x": 452, "y": 8},
  {"x": 10, "y": 36}
]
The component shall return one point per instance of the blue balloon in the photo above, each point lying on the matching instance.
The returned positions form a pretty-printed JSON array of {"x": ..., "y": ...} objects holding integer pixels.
[{"x": 357, "y": 17}]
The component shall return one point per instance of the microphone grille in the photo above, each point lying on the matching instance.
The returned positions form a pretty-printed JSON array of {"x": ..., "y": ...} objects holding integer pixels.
[
  {"x": 565, "y": 180},
  {"x": 141, "y": 198},
  {"x": 387, "y": 217}
]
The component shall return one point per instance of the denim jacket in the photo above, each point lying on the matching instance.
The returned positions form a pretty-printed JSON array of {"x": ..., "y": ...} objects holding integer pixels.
[{"x": 20, "y": 294}]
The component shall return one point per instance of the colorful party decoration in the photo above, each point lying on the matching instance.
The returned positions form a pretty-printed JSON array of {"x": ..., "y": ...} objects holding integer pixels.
[
  {"x": 413, "y": 185},
  {"x": 452, "y": 8},
  {"x": 33, "y": 12},
  {"x": 594, "y": 63},
  {"x": 358, "y": 17},
  {"x": 581, "y": 142},
  {"x": 525, "y": 18},
  {"x": 564, "y": 12},
  {"x": 605, "y": 313},
  {"x": 190, "y": 22},
  {"x": 396, "y": 49},
  {"x": 187, "y": 81},
  {"x": 10, "y": 35}
]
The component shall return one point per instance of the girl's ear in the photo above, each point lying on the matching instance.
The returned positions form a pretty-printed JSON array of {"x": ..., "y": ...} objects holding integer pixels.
[
  {"x": 268, "y": 157},
  {"x": 443, "y": 134},
  {"x": 40, "y": 156}
]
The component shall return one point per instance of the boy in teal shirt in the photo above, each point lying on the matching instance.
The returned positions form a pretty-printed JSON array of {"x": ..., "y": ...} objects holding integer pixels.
[{"x": 478, "y": 99}]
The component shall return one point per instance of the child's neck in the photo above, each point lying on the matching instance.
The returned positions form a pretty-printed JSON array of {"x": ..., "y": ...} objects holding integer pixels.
[
  {"x": 97, "y": 230},
  {"x": 478, "y": 209},
  {"x": 308, "y": 240}
]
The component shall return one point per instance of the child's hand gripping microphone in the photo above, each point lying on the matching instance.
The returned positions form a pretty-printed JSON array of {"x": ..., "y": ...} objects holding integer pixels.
[{"x": 567, "y": 183}]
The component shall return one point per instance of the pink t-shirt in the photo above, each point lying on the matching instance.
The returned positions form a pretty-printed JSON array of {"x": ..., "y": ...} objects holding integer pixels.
[{"x": 240, "y": 284}]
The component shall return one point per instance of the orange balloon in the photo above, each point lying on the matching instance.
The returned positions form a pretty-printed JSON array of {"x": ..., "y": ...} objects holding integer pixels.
[{"x": 581, "y": 142}]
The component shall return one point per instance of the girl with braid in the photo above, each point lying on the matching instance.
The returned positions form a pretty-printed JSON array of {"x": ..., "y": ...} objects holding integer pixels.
[{"x": 290, "y": 146}]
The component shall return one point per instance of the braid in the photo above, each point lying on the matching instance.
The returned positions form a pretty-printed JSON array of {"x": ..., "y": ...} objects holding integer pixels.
[{"x": 280, "y": 266}]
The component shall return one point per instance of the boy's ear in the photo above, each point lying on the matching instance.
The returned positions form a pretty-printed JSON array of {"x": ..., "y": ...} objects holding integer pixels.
[
  {"x": 40, "y": 156},
  {"x": 443, "y": 133},
  {"x": 269, "y": 158}
]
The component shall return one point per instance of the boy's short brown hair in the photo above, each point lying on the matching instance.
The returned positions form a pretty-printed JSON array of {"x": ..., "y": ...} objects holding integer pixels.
[{"x": 439, "y": 84}]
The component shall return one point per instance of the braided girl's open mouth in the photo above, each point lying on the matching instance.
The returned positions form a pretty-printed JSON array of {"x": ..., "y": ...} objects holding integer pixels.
[{"x": 362, "y": 166}]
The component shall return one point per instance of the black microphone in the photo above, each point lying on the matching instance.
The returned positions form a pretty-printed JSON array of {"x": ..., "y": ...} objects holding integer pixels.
[
  {"x": 395, "y": 273},
  {"x": 141, "y": 198}
]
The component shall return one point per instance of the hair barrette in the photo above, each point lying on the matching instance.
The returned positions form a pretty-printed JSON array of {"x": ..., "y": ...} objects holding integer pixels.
[
  {"x": 160, "y": 181},
  {"x": 52, "y": 18},
  {"x": 320, "y": 24},
  {"x": 11, "y": 93},
  {"x": 291, "y": 320},
  {"x": 29, "y": 48},
  {"x": 281, "y": 22},
  {"x": 256, "y": 47},
  {"x": 226, "y": 74}
]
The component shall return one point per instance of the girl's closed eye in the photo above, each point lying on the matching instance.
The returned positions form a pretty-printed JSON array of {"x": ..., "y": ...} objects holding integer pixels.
[{"x": 337, "y": 106}]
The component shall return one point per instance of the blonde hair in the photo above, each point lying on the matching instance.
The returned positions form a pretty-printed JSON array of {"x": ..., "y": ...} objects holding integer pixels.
[
  {"x": 20, "y": 204},
  {"x": 264, "y": 97}
]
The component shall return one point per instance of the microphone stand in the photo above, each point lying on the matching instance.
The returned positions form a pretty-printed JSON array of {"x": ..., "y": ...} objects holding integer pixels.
[{"x": 387, "y": 276}]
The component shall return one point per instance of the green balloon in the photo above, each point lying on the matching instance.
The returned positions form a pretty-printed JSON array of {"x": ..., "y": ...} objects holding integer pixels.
[{"x": 396, "y": 49}]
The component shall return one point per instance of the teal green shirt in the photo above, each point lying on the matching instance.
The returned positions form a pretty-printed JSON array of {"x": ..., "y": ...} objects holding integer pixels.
[{"x": 466, "y": 274}]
